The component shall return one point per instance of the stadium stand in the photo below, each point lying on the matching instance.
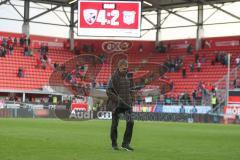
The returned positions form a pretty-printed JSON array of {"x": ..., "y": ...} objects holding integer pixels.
[{"x": 139, "y": 59}]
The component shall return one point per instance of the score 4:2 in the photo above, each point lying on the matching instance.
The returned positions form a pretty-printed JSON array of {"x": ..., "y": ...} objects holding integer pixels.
[{"x": 102, "y": 17}]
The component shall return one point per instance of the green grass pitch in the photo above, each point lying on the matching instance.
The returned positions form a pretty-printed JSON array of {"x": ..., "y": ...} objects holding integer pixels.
[{"x": 52, "y": 139}]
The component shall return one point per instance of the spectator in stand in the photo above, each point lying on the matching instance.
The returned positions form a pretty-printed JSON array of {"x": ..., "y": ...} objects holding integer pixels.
[
  {"x": 21, "y": 72},
  {"x": 26, "y": 40},
  {"x": 226, "y": 59},
  {"x": 56, "y": 66},
  {"x": 184, "y": 98},
  {"x": 217, "y": 56},
  {"x": 176, "y": 67},
  {"x": 160, "y": 48},
  {"x": 236, "y": 83},
  {"x": 15, "y": 41},
  {"x": 194, "y": 96},
  {"x": 204, "y": 91},
  {"x": 44, "y": 49},
  {"x": 196, "y": 57},
  {"x": 4, "y": 43},
  {"x": 73, "y": 81},
  {"x": 10, "y": 49},
  {"x": 69, "y": 76},
  {"x": 222, "y": 58},
  {"x": 191, "y": 67},
  {"x": 9, "y": 41},
  {"x": 184, "y": 72},
  {"x": 2, "y": 51},
  {"x": 190, "y": 49},
  {"x": 209, "y": 88},
  {"x": 198, "y": 66},
  {"x": 172, "y": 65},
  {"x": 21, "y": 41},
  {"x": 213, "y": 88},
  {"x": 199, "y": 85},
  {"x": 43, "y": 61},
  {"x": 45, "y": 57},
  {"x": 27, "y": 51},
  {"x": 237, "y": 60}
]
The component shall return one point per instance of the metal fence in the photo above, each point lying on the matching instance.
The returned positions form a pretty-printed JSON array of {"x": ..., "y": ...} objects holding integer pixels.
[{"x": 223, "y": 86}]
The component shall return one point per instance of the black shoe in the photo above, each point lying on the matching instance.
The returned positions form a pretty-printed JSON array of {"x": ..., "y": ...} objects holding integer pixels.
[
  {"x": 115, "y": 148},
  {"x": 127, "y": 148}
]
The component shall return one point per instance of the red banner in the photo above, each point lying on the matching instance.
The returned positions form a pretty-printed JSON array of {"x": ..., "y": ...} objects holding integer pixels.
[{"x": 80, "y": 106}]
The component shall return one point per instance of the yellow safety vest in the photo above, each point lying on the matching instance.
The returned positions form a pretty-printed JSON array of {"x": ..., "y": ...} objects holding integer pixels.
[
  {"x": 54, "y": 100},
  {"x": 214, "y": 100}
]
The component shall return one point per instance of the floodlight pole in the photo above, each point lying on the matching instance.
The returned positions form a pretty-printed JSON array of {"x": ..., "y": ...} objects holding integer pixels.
[
  {"x": 158, "y": 28},
  {"x": 25, "y": 26},
  {"x": 71, "y": 28},
  {"x": 228, "y": 79},
  {"x": 200, "y": 30}
]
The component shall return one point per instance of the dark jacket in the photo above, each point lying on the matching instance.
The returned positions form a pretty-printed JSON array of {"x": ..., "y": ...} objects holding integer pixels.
[{"x": 119, "y": 92}]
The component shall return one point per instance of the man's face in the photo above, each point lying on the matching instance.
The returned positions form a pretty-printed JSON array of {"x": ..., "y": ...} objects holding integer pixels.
[{"x": 123, "y": 69}]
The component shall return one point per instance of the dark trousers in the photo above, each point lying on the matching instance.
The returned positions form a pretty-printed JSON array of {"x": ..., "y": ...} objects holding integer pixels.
[{"x": 129, "y": 126}]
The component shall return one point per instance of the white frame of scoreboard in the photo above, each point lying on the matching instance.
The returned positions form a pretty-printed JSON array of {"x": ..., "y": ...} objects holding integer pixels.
[{"x": 110, "y": 32}]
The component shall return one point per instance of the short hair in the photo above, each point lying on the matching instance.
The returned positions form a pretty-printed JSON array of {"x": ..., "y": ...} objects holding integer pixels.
[{"x": 122, "y": 62}]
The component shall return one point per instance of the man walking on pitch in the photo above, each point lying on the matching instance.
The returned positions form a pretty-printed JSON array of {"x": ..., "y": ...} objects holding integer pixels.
[{"x": 120, "y": 99}]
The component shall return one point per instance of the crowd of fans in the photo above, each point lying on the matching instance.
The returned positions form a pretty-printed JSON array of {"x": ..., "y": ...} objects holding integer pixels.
[
  {"x": 174, "y": 64},
  {"x": 203, "y": 94},
  {"x": 220, "y": 57},
  {"x": 6, "y": 46},
  {"x": 43, "y": 60}
]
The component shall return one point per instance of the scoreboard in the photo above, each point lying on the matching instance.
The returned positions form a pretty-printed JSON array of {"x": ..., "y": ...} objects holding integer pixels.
[{"x": 109, "y": 18}]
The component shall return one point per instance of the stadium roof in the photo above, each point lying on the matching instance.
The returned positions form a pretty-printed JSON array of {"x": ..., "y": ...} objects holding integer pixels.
[
  {"x": 170, "y": 4},
  {"x": 152, "y": 4}
]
